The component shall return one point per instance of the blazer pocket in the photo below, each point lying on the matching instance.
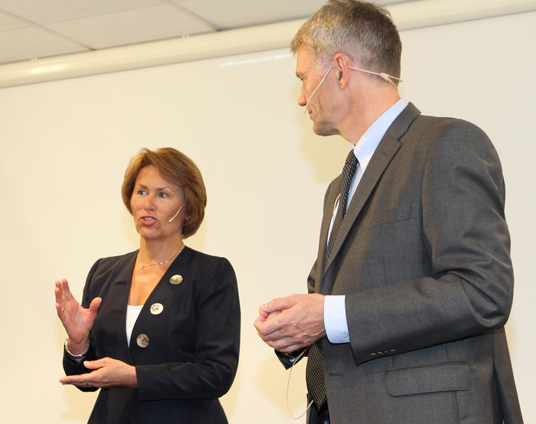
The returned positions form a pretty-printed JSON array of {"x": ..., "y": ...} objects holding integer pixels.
[
  {"x": 388, "y": 216},
  {"x": 433, "y": 378}
]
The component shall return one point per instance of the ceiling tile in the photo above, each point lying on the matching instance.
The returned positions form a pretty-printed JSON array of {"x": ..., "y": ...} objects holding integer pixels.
[
  {"x": 32, "y": 42},
  {"x": 243, "y": 13},
  {"x": 129, "y": 27},
  {"x": 41, "y": 11},
  {"x": 250, "y": 12},
  {"x": 9, "y": 22}
]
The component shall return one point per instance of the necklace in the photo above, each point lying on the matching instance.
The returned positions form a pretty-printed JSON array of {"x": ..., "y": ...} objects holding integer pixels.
[{"x": 163, "y": 262}]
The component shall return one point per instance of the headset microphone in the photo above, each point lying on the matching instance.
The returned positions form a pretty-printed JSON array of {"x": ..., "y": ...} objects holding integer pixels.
[
  {"x": 175, "y": 216},
  {"x": 316, "y": 89},
  {"x": 386, "y": 77}
]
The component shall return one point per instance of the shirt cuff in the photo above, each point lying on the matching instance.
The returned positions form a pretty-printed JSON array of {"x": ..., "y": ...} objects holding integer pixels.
[{"x": 335, "y": 319}]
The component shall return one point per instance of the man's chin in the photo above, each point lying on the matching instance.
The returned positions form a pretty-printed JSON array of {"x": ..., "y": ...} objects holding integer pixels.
[{"x": 322, "y": 131}]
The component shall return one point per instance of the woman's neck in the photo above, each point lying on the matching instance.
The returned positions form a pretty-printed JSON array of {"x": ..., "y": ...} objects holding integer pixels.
[{"x": 154, "y": 251}]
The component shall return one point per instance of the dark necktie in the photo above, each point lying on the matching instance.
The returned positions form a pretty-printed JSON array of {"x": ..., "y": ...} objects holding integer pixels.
[
  {"x": 348, "y": 172},
  {"x": 314, "y": 376}
]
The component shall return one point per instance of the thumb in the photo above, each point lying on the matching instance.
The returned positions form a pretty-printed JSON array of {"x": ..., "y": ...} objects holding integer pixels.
[
  {"x": 94, "y": 306},
  {"x": 94, "y": 365}
]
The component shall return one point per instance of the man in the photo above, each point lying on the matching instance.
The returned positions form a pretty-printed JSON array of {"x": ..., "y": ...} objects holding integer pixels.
[{"x": 413, "y": 282}]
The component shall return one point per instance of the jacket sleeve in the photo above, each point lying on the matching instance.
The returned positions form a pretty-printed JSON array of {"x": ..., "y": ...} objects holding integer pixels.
[{"x": 466, "y": 282}]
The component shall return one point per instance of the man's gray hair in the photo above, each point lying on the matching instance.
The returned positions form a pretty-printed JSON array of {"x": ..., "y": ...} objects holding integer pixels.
[{"x": 361, "y": 30}]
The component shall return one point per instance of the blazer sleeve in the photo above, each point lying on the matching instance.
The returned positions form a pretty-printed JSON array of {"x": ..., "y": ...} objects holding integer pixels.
[
  {"x": 468, "y": 288},
  {"x": 212, "y": 372}
]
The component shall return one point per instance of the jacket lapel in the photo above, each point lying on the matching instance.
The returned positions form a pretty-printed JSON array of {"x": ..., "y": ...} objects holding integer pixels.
[
  {"x": 381, "y": 158},
  {"x": 117, "y": 300}
]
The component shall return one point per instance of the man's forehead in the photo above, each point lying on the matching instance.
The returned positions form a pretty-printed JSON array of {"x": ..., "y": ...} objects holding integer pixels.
[{"x": 305, "y": 60}]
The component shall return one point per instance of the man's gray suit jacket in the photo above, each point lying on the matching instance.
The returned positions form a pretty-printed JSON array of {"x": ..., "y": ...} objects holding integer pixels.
[{"x": 423, "y": 258}]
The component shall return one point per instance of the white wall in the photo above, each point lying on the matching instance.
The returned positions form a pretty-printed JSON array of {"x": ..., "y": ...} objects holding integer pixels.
[{"x": 65, "y": 145}]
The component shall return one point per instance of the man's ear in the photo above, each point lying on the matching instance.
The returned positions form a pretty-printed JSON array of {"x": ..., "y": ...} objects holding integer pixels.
[{"x": 342, "y": 72}]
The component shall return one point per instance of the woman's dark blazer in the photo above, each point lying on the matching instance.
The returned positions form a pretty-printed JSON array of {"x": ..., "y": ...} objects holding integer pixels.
[{"x": 192, "y": 352}]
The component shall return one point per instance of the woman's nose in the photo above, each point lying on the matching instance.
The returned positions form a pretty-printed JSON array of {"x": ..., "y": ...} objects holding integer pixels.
[{"x": 149, "y": 203}]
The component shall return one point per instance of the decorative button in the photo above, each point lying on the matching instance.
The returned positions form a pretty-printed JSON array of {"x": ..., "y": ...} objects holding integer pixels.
[
  {"x": 157, "y": 308},
  {"x": 380, "y": 353},
  {"x": 372, "y": 355},
  {"x": 176, "y": 279},
  {"x": 142, "y": 340},
  {"x": 392, "y": 351}
]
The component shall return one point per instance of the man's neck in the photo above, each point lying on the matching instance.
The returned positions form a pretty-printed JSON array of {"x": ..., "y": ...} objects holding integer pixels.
[{"x": 366, "y": 111}]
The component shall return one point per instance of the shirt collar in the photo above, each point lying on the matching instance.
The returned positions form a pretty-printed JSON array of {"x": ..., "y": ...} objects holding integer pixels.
[{"x": 369, "y": 141}]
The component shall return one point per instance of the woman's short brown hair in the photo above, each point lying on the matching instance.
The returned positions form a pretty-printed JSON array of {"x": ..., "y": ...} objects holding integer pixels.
[{"x": 177, "y": 168}]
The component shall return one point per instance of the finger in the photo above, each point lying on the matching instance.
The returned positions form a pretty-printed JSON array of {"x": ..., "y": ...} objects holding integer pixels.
[
  {"x": 274, "y": 324},
  {"x": 81, "y": 384},
  {"x": 291, "y": 348},
  {"x": 272, "y": 315},
  {"x": 280, "y": 304},
  {"x": 60, "y": 310},
  {"x": 287, "y": 344},
  {"x": 58, "y": 291},
  {"x": 263, "y": 313},
  {"x": 258, "y": 322},
  {"x": 77, "y": 380},
  {"x": 267, "y": 308},
  {"x": 60, "y": 302},
  {"x": 66, "y": 290}
]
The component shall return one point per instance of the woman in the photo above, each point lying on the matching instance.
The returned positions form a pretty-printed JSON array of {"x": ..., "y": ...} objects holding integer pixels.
[{"x": 158, "y": 328}]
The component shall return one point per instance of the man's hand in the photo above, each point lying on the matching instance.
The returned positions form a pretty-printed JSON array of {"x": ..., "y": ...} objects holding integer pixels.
[{"x": 291, "y": 323}]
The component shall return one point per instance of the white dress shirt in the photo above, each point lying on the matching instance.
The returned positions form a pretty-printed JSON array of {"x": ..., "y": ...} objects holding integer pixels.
[{"x": 334, "y": 306}]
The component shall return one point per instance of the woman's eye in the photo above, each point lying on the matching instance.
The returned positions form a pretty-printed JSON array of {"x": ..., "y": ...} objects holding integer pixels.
[
  {"x": 164, "y": 195},
  {"x": 140, "y": 191}
]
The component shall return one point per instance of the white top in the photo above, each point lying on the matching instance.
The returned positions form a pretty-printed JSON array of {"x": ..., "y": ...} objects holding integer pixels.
[{"x": 132, "y": 315}]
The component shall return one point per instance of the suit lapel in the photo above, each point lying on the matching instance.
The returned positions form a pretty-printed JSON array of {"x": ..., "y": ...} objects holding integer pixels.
[
  {"x": 381, "y": 158},
  {"x": 329, "y": 203},
  {"x": 116, "y": 308}
]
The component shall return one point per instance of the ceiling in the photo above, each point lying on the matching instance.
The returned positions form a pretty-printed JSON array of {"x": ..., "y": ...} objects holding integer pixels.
[{"x": 31, "y": 29}]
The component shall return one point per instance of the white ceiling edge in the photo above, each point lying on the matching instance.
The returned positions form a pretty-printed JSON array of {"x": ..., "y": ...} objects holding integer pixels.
[{"x": 416, "y": 14}]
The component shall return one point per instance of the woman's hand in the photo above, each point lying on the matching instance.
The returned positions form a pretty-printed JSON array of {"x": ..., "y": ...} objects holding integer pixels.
[
  {"x": 77, "y": 320},
  {"x": 107, "y": 372}
]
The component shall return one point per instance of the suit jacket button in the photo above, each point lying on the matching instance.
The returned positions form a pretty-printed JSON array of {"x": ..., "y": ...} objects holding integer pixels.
[
  {"x": 176, "y": 279},
  {"x": 142, "y": 340},
  {"x": 380, "y": 353},
  {"x": 157, "y": 308},
  {"x": 392, "y": 351},
  {"x": 372, "y": 355}
]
